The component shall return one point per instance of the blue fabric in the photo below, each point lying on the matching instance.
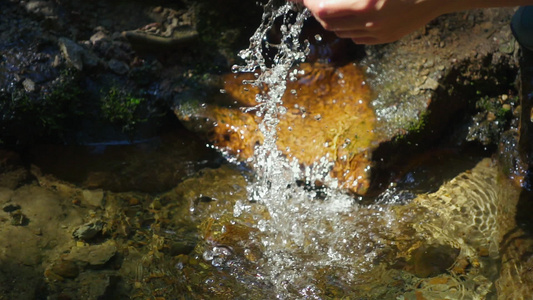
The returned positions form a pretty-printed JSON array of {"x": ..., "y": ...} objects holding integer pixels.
[{"x": 522, "y": 26}]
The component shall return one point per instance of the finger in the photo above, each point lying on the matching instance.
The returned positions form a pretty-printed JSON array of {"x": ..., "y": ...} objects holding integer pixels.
[
  {"x": 337, "y": 8},
  {"x": 346, "y": 23},
  {"x": 352, "y": 34},
  {"x": 321, "y": 9},
  {"x": 367, "y": 41}
]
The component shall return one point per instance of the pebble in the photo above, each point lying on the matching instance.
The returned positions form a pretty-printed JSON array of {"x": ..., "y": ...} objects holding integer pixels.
[
  {"x": 99, "y": 37},
  {"x": 88, "y": 231},
  {"x": 429, "y": 84},
  {"x": 65, "y": 269},
  {"x": 29, "y": 85},
  {"x": 93, "y": 197},
  {"x": 491, "y": 116},
  {"x": 94, "y": 255},
  {"x": 72, "y": 52}
]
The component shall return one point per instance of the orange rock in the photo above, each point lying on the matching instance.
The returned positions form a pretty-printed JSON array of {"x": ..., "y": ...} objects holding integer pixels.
[{"x": 328, "y": 115}]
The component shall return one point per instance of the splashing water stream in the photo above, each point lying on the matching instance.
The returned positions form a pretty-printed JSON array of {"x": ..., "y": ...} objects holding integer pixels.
[{"x": 292, "y": 227}]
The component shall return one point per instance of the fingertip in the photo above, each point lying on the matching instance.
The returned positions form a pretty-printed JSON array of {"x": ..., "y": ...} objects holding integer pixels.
[
  {"x": 366, "y": 41},
  {"x": 315, "y": 6}
]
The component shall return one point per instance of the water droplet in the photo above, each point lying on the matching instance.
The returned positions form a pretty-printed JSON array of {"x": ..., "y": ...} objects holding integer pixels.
[{"x": 208, "y": 255}]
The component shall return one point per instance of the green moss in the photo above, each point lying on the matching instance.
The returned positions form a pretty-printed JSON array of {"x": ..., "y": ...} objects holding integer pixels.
[
  {"x": 47, "y": 115},
  {"x": 419, "y": 125},
  {"x": 122, "y": 108},
  {"x": 494, "y": 106},
  {"x": 414, "y": 127}
]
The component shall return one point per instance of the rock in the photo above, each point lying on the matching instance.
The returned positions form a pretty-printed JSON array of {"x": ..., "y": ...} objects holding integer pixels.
[
  {"x": 94, "y": 255},
  {"x": 516, "y": 279},
  {"x": 430, "y": 261},
  {"x": 178, "y": 38},
  {"x": 88, "y": 231},
  {"x": 63, "y": 269},
  {"x": 93, "y": 197},
  {"x": 44, "y": 8},
  {"x": 72, "y": 52},
  {"x": 429, "y": 84},
  {"x": 99, "y": 37},
  {"x": 29, "y": 85},
  {"x": 327, "y": 116},
  {"x": 118, "y": 66},
  {"x": 97, "y": 285},
  {"x": 100, "y": 41},
  {"x": 90, "y": 59},
  {"x": 76, "y": 55}
]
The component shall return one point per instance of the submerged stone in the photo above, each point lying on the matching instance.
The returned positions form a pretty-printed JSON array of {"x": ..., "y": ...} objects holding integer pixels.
[{"x": 430, "y": 261}]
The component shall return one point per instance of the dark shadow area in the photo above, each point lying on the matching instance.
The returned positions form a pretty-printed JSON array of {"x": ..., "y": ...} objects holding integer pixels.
[
  {"x": 18, "y": 281},
  {"x": 150, "y": 165},
  {"x": 524, "y": 214},
  {"x": 524, "y": 210}
]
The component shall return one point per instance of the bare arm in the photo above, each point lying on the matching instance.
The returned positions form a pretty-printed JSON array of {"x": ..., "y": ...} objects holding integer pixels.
[{"x": 383, "y": 21}]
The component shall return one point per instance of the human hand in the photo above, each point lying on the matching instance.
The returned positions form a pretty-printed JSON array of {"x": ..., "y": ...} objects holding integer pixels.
[{"x": 376, "y": 21}]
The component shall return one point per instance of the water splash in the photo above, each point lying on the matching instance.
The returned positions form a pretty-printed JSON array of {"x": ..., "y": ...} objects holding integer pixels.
[
  {"x": 298, "y": 224},
  {"x": 274, "y": 173}
]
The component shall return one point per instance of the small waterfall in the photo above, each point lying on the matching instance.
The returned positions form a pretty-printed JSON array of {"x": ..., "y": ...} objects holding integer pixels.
[
  {"x": 273, "y": 173},
  {"x": 298, "y": 223}
]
